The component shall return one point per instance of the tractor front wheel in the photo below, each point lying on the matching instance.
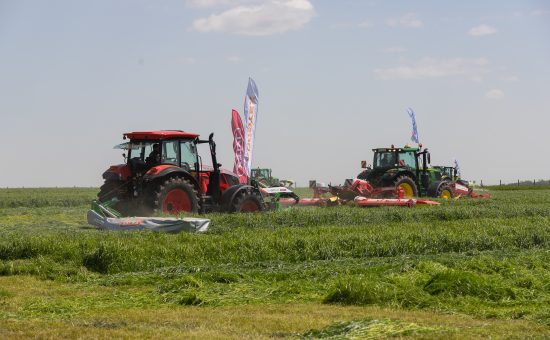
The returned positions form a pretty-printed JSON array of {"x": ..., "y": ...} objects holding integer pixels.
[
  {"x": 407, "y": 185},
  {"x": 441, "y": 189},
  {"x": 176, "y": 195},
  {"x": 109, "y": 190},
  {"x": 247, "y": 202},
  {"x": 445, "y": 191}
]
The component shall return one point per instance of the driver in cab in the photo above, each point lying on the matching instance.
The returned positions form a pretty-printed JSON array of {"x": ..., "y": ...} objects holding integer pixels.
[{"x": 154, "y": 156}]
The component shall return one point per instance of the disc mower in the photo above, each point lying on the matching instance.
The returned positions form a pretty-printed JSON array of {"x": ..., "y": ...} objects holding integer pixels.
[
  {"x": 356, "y": 192},
  {"x": 163, "y": 172}
]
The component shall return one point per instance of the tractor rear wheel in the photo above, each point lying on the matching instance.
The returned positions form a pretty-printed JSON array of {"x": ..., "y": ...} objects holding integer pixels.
[
  {"x": 175, "y": 195},
  {"x": 247, "y": 202},
  {"x": 407, "y": 184}
]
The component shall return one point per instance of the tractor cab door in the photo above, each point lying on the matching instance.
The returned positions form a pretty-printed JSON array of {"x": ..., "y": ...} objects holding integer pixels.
[
  {"x": 422, "y": 159},
  {"x": 188, "y": 156}
]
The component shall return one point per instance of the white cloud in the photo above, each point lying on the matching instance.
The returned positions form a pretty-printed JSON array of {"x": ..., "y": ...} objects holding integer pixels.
[
  {"x": 482, "y": 30},
  {"x": 265, "y": 18},
  {"x": 234, "y": 59},
  {"x": 365, "y": 24},
  {"x": 406, "y": 20},
  {"x": 188, "y": 60},
  {"x": 433, "y": 68},
  {"x": 494, "y": 94},
  {"x": 394, "y": 49},
  {"x": 539, "y": 12},
  {"x": 217, "y": 3},
  {"x": 510, "y": 78}
]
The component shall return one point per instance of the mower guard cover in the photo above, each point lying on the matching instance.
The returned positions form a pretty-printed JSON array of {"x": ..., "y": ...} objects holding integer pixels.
[{"x": 105, "y": 217}]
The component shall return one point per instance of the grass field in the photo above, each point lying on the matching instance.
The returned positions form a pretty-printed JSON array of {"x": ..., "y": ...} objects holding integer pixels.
[{"x": 465, "y": 269}]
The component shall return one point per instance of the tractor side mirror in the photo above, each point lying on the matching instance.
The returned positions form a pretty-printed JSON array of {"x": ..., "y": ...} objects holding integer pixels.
[
  {"x": 429, "y": 159},
  {"x": 124, "y": 156},
  {"x": 363, "y": 164}
]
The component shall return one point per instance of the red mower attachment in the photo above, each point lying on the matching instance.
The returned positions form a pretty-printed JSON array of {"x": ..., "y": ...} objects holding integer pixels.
[
  {"x": 356, "y": 192},
  {"x": 460, "y": 190}
]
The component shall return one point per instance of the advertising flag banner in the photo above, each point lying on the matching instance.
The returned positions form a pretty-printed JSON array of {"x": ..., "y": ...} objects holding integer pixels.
[
  {"x": 238, "y": 147},
  {"x": 250, "y": 120},
  {"x": 414, "y": 136}
]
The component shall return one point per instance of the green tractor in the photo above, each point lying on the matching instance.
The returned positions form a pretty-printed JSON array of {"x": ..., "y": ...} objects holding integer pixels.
[
  {"x": 407, "y": 169},
  {"x": 263, "y": 177}
]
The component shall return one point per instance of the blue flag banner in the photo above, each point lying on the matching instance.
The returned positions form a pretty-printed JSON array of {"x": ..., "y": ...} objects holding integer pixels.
[
  {"x": 414, "y": 136},
  {"x": 250, "y": 119},
  {"x": 457, "y": 168}
]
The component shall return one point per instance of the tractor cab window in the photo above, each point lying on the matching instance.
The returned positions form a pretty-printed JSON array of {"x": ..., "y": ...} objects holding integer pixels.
[
  {"x": 141, "y": 154},
  {"x": 407, "y": 159},
  {"x": 384, "y": 159},
  {"x": 139, "y": 150},
  {"x": 170, "y": 152},
  {"x": 261, "y": 173},
  {"x": 188, "y": 155}
]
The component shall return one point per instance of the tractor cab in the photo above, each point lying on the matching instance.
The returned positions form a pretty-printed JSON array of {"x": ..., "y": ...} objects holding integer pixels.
[
  {"x": 142, "y": 155},
  {"x": 448, "y": 173},
  {"x": 387, "y": 158},
  {"x": 260, "y": 173}
]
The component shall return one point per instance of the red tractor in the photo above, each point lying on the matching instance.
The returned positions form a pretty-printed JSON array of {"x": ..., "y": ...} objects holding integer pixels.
[{"x": 164, "y": 173}]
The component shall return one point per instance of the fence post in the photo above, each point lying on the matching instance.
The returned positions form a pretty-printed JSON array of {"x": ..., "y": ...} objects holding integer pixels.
[
  {"x": 482, "y": 183},
  {"x": 518, "y": 182},
  {"x": 499, "y": 182},
  {"x": 534, "y": 182}
]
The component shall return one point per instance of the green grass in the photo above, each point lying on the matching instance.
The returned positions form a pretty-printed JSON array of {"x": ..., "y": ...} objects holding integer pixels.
[{"x": 488, "y": 259}]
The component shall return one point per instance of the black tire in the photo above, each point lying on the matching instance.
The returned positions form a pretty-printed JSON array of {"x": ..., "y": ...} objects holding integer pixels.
[
  {"x": 404, "y": 181},
  {"x": 175, "y": 195},
  {"x": 109, "y": 190},
  {"x": 445, "y": 191},
  {"x": 441, "y": 189},
  {"x": 246, "y": 202}
]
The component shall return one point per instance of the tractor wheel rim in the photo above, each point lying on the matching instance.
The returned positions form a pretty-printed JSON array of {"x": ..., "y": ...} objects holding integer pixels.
[
  {"x": 176, "y": 201},
  {"x": 249, "y": 206},
  {"x": 446, "y": 194},
  {"x": 407, "y": 190}
]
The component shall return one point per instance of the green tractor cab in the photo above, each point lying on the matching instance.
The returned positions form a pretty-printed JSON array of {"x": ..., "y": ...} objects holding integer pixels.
[
  {"x": 265, "y": 179},
  {"x": 407, "y": 169},
  {"x": 448, "y": 173}
]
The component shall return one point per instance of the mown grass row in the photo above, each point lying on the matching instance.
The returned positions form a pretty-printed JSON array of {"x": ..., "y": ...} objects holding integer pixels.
[{"x": 106, "y": 252}]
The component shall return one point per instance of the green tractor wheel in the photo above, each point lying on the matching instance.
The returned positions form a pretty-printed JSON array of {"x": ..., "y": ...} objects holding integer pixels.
[
  {"x": 247, "y": 202},
  {"x": 445, "y": 192},
  {"x": 407, "y": 185},
  {"x": 441, "y": 189}
]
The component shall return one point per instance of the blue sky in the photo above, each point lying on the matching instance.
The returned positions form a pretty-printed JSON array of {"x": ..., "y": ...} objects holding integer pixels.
[{"x": 335, "y": 79}]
